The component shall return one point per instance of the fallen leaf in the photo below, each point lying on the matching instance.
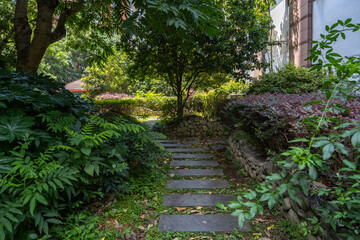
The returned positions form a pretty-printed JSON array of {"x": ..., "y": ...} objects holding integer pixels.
[
  {"x": 257, "y": 234},
  {"x": 172, "y": 175},
  {"x": 166, "y": 210},
  {"x": 195, "y": 211},
  {"x": 141, "y": 228},
  {"x": 142, "y": 216},
  {"x": 199, "y": 207},
  {"x": 267, "y": 233},
  {"x": 180, "y": 209}
]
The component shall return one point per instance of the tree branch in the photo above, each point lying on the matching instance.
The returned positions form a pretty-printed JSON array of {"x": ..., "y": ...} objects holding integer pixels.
[{"x": 60, "y": 30}]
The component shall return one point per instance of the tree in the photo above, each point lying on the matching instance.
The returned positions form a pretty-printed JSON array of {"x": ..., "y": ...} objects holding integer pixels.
[
  {"x": 40, "y": 23},
  {"x": 181, "y": 54},
  {"x": 34, "y": 36}
]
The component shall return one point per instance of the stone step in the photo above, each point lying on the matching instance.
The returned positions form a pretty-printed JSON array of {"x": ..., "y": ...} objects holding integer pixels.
[
  {"x": 168, "y": 141},
  {"x": 218, "y": 148},
  {"x": 194, "y": 155},
  {"x": 185, "y": 150},
  {"x": 204, "y": 200},
  {"x": 200, "y": 223},
  {"x": 194, "y": 163},
  {"x": 197, "y": 184},
  {"x": 197, "y": 172},
  {"x": 176, "y": 145}
]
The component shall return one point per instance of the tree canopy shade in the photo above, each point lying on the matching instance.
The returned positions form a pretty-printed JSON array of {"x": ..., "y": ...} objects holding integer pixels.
[
  {"x": 180, "y": 51},
  {"x": 39, "y": 23}
]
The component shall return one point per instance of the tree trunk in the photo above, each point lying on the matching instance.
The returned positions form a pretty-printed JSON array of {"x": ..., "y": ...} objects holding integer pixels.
[
  {"x": 180, "y": 107},
  {"x": 31, "y": 50}
]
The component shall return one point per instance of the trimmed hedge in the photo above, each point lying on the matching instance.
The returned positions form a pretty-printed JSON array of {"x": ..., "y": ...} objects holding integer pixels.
[{"x": 124, "y": 106}]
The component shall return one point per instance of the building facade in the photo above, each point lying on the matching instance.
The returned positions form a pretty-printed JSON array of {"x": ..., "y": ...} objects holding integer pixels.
[{"x": 298, "y": 22}]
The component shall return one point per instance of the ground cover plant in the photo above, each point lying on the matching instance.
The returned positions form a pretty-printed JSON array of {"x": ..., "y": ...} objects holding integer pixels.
[
  {"x": 55, "y": 156},
  {"x": 332, "y": 139}
]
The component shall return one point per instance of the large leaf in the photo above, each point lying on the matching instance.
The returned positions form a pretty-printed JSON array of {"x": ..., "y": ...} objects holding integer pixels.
[{"x": 15, "y": 125}]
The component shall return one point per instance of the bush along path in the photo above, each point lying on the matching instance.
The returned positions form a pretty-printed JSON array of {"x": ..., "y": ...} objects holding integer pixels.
[{"x": 195, "y": 157}]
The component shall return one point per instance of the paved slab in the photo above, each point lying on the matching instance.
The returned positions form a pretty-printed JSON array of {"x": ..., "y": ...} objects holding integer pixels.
[
  {"x": 194, "y": 155},
  {"x": 194, "y": 163},
  {"x": 199, "y": 223},
  {"x": 197, "y": 172},
  {"x": 204, "y": 200},
  {"x": 197, "y": 184},
  {"x": 168, "y": 141},
  {"x": 176, "y": 145},
  {"x": 186, "y": 150},
  {"x": 218, "y": 147}
]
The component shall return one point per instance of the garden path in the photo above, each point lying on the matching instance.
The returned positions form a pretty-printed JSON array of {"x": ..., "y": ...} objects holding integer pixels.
[{"x": 195, "y": 162}]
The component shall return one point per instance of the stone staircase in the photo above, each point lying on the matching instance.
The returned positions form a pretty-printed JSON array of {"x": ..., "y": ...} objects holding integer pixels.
[{"x": 188, "y": 157}]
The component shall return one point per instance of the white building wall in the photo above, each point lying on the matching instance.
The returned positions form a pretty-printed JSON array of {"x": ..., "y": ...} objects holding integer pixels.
[
  {"x": 279, "y": 54},
  {"x": 328, "y": 12}
]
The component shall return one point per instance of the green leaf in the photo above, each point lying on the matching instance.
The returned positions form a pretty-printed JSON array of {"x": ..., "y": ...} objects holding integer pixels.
[
  {"x": 293, "y": 195},
  {"x": 86, "y": 151},
  {"x": 32, "y": 205},
  {"x": 328, "y": 151},
  {"x": 89, "y": 169},
  {"x": 241, "y": 220},
  {"x": 237, "y": 212},
  {"x": 355, "y": 139},
  {"x": 351, "y": 165},
  {"x": 313, "y": 172},
  {"x": 253, "y": 211},
  {"x": 282, "y": 188},
  {"x": 304, "y": 185},
  {"x": 234, "y": 205},
  {"x": 320, "y": 143},
  {"x": 54, "y": 220},
  {"x": 265, "y": 197},
  {"x": 40, "y": 198},
  {"x": 2, "y": 233},
  {"x": 341, "y": 148},
  {"x": 274, "y": 177},
  {"x": 11, "y": 217},
  {"x": 6, "y": 223},
  {"x": 220, "y": 205},
  {"x": 271, "y": 202}
]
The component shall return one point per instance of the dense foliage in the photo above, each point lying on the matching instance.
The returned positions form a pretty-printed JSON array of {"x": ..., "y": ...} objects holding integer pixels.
[
  {"x": 110, "y": 76},
  {"x": 63, "y": 63},
  {"x": 332, "y": 148},
  {"x": 274, "y": 119},
  {"x": 289, "y": 79},
  {"x": 219, "y": 38},
  {"x": 54, "y": 156}
]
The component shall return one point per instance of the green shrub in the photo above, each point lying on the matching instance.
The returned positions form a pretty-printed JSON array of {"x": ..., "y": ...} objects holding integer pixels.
[
  {"x": 151, "y": 100},
  {"x": 54, "y": 156},
  {"x": 124, "y": 106},
  {"x": 214, "y": 101},
  {"x": 289, "y": 79},
  {"x": 168, "y": 110}
]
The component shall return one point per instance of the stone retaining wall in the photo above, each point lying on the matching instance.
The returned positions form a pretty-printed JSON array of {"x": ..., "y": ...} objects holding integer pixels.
[
  {"x": 194, "y": 126},
  {"x": 258, "y": 167}
]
